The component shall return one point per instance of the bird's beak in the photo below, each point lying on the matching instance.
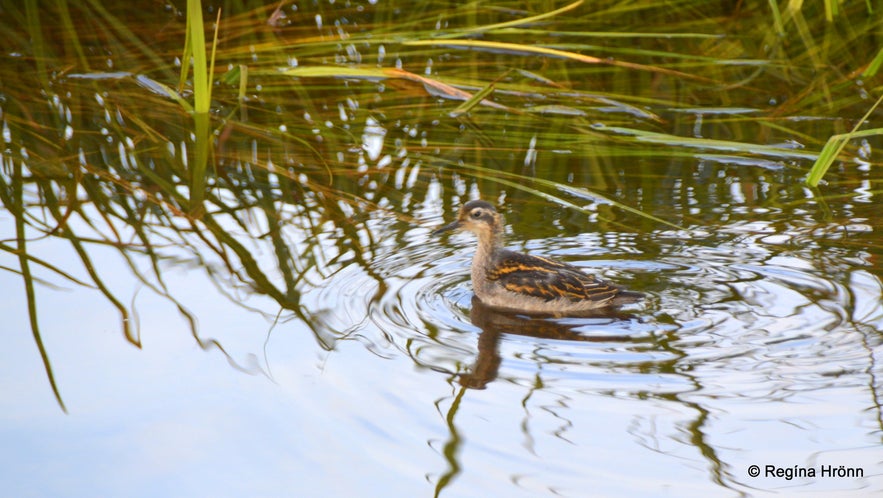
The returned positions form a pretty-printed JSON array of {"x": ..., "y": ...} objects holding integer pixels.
[{"x": 446, "y": 228}]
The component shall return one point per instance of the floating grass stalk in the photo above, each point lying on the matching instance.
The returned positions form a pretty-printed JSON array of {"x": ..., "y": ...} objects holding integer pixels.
[
  {"x": 524, "y": 49},
  {"x": 473, "y": 101}
]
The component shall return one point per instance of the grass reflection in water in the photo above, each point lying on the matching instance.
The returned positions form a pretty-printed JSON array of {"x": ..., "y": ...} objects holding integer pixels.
[{"x": 662, "y": 145}]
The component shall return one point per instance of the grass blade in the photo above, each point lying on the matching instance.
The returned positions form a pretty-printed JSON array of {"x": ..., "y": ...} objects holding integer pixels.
[
  {"x": 518, "y": 48},
  {"x": 707, "y": 143},
  {"x": 835, "y": 145},
  {"x": 874, "y": 65},
  {"x": 471, "y": 102},
  {"x": 525, "y": 20},
  {"x": 196, "y": 35}
]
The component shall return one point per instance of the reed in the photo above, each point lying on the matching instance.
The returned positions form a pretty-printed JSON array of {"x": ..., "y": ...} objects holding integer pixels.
[{"x": 195, "y": 49}]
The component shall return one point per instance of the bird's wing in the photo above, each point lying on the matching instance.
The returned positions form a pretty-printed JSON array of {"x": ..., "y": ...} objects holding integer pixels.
[{"x": 548, "y": 279}]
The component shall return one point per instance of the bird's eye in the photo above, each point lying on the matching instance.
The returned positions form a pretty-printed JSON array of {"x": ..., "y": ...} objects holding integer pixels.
[{"x": 476, "y": 213}]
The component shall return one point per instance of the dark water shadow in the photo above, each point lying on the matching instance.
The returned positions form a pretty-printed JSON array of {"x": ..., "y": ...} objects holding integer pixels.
[{"x": 495, "y": 323}]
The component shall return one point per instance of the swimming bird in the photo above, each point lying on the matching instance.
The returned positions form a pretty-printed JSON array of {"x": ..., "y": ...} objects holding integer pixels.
[{"x": 522, "y": 282}]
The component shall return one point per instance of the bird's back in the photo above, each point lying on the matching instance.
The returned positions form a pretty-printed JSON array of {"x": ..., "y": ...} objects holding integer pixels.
[{"x": 533, "y": 283}]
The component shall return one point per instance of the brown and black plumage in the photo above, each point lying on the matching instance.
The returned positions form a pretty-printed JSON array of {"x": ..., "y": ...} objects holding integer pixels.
[{"x": 507, "y": 279}]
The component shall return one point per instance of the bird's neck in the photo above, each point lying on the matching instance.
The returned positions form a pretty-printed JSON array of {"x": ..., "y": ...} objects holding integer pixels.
[
  {"x": 488, "y": 245},
  {"x": 488, "y": 242}
]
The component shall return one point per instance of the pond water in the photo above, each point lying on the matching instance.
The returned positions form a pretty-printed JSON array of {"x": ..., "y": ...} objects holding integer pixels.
[{"x": 308, "y": 336}]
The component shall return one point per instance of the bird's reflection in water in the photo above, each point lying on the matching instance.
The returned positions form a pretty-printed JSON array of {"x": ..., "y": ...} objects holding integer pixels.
[{"x": 494, "y": 323}]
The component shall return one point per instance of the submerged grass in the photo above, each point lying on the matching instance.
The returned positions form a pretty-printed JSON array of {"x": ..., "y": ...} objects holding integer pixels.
[{"x": 323, "y": 115}]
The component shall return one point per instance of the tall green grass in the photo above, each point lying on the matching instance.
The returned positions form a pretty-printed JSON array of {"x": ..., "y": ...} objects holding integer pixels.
[
  {"x": 835, "y": 145},
  {"x": 195, "y": 49}
]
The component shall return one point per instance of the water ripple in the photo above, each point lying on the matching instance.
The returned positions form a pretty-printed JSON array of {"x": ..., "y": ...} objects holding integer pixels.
[{"x": 742, "y": 308}]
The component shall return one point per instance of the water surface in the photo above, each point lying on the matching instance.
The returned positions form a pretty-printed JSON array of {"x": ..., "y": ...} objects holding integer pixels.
[{"x": 308, "y": 336}]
